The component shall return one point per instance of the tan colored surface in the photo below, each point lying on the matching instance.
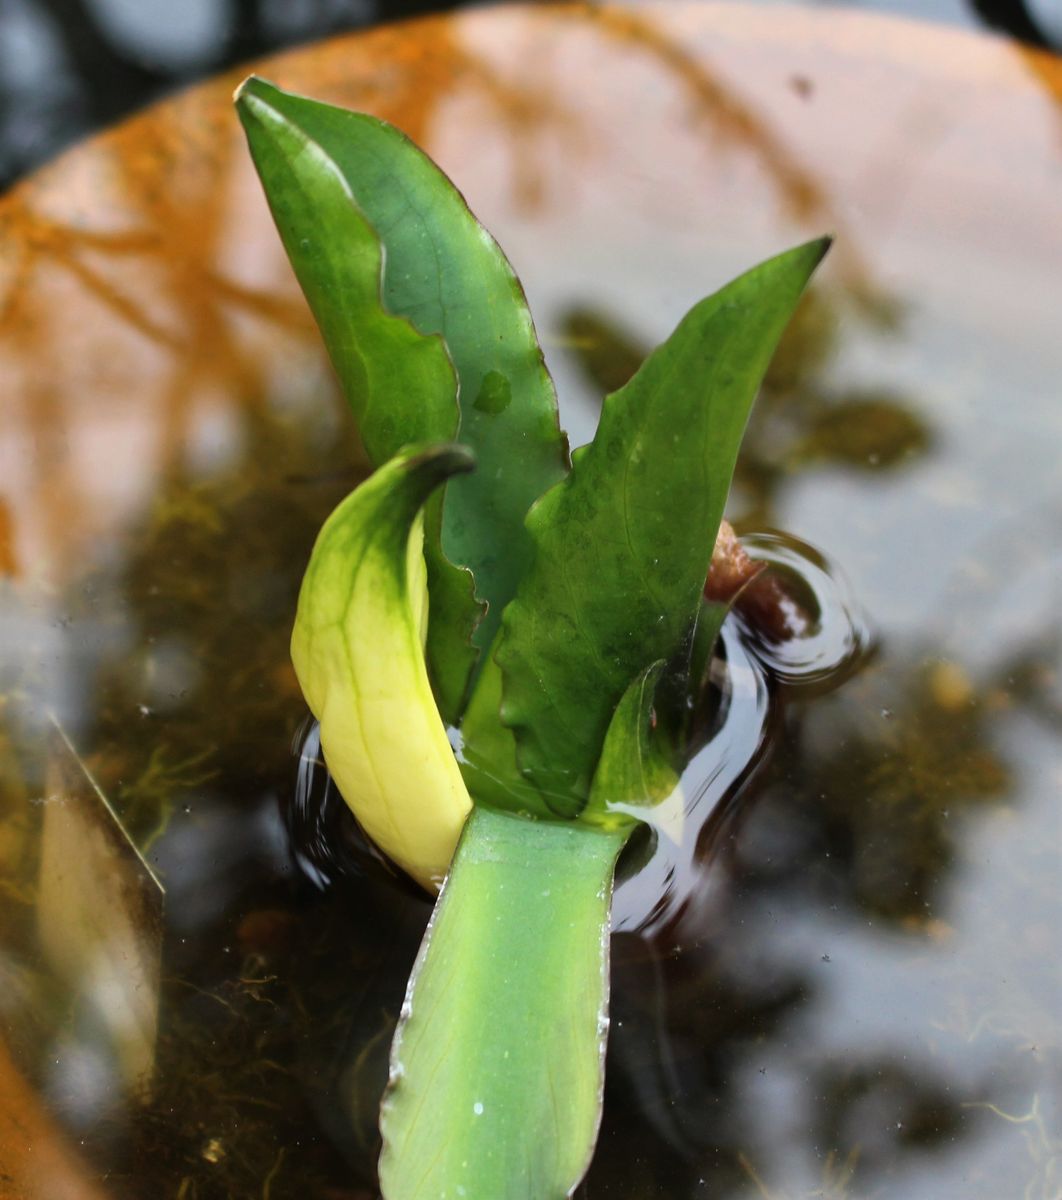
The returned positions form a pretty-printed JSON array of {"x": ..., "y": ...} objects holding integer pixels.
[
  {"x": 99, "y": 919},
  {"x": 36, "y": 1161}
]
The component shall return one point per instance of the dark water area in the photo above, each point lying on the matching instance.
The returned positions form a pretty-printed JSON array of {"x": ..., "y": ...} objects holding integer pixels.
[{"x": 836, "y": 968}]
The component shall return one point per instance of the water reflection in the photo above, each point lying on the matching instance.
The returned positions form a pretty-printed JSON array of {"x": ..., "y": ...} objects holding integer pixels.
[
  {"x": 69, "y": 68},
  {"x": 803, "y": 421},
  {"x": 824, "y": 635},
  {"x": 815, "y": 974},
  {"x": 327, "y": 842}
]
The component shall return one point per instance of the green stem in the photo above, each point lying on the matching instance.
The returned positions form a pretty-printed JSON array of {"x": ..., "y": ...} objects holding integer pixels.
[{"x": 498, "y": 1064}]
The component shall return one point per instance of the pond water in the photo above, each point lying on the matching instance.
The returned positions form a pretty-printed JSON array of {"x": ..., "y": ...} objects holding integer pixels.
[{"x": 838, "y": 974}]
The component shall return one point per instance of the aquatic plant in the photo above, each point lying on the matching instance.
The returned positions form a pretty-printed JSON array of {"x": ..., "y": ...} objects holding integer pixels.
[{"x": 551, "y": 611}]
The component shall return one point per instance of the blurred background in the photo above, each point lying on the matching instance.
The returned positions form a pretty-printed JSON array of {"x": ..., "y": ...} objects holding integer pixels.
[{"x": 70, "y": 66}]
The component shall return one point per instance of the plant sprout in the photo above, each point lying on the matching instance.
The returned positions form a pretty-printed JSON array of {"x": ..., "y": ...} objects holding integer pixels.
[{"x": 550, "y": 607}]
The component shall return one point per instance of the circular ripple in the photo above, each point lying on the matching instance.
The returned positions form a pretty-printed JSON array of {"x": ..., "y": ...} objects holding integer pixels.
[{"x": 830, "y": 636}]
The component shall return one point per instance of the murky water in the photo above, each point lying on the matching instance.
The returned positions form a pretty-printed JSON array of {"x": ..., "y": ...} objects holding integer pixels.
[{"x": 837, "y": 973}]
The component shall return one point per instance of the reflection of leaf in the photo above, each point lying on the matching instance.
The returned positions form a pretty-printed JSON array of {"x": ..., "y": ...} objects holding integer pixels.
[
  {"x": 448, "y": 279},
  {"x": 804, "y": 422},
  {"x": 885, "y": 1107},
  {"x": 507, "y": 1105},
  {"x": 38, "y": 1156},
  {"x": 607, "y": 354},
  {"x": 634, "y": 768},
  {"x": 800, "y": 424},
  {"x": 17, "y": 848},
  {"x": 623, "y": 546},
  {"x": 807, "y": 345},
  {"x": 866, "y": 431},
  {"x": 917, "y": 744}
]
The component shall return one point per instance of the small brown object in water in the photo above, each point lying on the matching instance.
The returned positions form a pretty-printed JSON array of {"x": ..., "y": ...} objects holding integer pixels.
[
  {"x": 731, "y": 568},
  {"x": 764, "y": 601}
]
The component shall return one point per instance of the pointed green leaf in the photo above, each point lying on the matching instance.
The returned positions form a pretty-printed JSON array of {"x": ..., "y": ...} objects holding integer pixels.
[
  {"x": 328, "y": 172},
  {"x": 488, "y": 753},
  {"x": 455, "y": 614},
  {"x": 634, "y": 770},
  {"x": 400, "y": 382},
  {"x": 623, "y": 545},
  {"x": 498, "y": 1064},
  {"x": 709, "y": 625},
  {"x": 357, "y": 650}
]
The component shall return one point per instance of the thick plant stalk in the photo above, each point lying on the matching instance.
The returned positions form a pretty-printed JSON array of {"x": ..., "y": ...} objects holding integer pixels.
[{"x": 497, "y": 1068}]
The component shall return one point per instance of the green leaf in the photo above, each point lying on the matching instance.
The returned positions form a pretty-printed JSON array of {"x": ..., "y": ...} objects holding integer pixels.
[
  {"x": 400, "y": 383},
  {"x": 455, "y": 614},
  {"x": 624, "y": 544},
  {"x": 635, "y": 769},
  {"x": 331, "y": 175},
  {"x": 357, "y": 650},
  {"x": 709, "y": 625},
  {"x": 488, "y": 753},
  {"x": 497, "y": 1067}
]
